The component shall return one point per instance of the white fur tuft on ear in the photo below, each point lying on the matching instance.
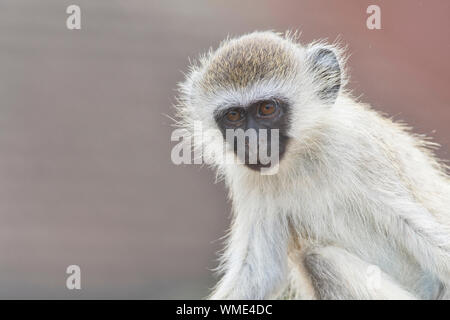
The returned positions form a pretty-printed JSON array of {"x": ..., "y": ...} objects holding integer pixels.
[{"x": 323, "y": 63}]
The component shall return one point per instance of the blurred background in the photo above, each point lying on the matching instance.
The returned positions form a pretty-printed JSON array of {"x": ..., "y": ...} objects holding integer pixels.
[{"x": 85, "y": 170}]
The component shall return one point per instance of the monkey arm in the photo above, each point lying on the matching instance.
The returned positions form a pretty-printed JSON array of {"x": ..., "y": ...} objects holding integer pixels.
[
  {"x": 254, "y": 264},
  {"x": 335, "y": 273},
  {"x": 425, "y": 238}
]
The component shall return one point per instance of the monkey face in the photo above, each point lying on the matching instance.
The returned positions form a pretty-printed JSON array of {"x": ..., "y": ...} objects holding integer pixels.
[{"x": 257, "y": 132}]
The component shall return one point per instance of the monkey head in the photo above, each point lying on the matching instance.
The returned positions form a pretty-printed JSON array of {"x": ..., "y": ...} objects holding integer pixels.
[{"x": 262, "y": 83}]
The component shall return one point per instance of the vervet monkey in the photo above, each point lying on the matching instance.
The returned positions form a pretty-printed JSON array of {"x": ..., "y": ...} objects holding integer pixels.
[{"x": 353, "y": 191}]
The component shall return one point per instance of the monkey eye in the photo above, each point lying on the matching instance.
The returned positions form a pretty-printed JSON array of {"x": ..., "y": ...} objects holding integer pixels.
[
  {"x": 267, "y": 109},
  {"x": 234, "y": 115}
]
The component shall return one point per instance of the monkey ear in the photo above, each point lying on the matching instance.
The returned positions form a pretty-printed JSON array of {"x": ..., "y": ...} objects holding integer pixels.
[{"x": 325, "y": 69}]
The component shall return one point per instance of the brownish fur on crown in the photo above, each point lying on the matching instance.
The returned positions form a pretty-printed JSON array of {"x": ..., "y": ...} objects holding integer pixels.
[{"x": 251, "y": 58}]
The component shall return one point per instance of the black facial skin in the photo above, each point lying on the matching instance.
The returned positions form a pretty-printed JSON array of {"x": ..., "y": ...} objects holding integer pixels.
[{"x": 254, "y": 116}]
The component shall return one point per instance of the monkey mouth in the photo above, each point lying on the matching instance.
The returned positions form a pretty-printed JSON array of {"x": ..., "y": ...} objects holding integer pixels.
[
  {"x": 253, "y": 161},
  {"x": 271, "y": 160},
  {"x": 257, "y": 166}
]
